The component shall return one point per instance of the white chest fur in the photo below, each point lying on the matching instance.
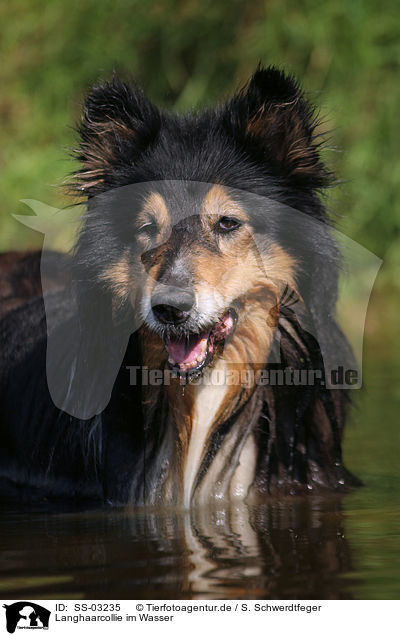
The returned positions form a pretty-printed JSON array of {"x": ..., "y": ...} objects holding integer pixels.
[{"x": 208, "y": 400}]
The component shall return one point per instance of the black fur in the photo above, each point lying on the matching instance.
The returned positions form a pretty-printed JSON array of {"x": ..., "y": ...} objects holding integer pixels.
[{"x": 262, "y": 141}]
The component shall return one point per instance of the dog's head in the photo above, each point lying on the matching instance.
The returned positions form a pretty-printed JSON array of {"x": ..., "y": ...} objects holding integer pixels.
[
  {"x": 176, "y": 233},
  {"x": 208, "y": 283}
]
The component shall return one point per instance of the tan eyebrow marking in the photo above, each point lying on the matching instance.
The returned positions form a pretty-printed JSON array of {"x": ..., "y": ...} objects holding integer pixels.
[
  {"x": 155, "y": 210},
  {"x": 217, "y": 203}
]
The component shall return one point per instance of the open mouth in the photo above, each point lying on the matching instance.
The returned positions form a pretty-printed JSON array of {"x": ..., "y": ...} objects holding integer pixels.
[{"x": 190, "y": 354}]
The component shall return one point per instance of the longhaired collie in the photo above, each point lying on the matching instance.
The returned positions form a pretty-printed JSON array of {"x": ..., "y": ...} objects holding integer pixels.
[{"x": 182, "y": 353}]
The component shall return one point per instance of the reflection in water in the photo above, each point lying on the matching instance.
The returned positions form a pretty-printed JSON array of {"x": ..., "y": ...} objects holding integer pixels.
[
  {"x": 293, "y": 549},
  {"x": 281, "y": 550}
]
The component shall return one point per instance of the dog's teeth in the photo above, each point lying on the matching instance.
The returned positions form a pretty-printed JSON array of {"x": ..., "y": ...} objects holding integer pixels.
[
  {"x": 200, "y": 358},
  {"x": 171, "y": 361},
  {"x": 203, "y": 345},
  {"x": 191, "y": 365}
]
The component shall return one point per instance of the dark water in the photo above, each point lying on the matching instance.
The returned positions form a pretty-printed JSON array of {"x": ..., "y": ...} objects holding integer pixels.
[{"x": 332, "y": 548}]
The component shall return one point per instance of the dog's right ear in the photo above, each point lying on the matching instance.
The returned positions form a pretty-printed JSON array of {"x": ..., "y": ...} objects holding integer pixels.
[
  {"x": 274, "y": 122},
  {"x": 118, "y": 123}
]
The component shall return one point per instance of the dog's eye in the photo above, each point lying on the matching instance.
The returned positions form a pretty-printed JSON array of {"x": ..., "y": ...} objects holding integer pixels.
[
  {"x": 149, "y": 229},
  {"x": 227, "y": 224}
]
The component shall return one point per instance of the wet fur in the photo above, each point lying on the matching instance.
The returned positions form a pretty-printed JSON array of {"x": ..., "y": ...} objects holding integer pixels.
[{"x": 264, "y": 140}]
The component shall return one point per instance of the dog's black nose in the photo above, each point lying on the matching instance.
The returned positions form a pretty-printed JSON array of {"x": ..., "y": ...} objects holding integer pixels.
[
  {"x": 170, "y": 315},
  {"x": 172, "y": 307}
]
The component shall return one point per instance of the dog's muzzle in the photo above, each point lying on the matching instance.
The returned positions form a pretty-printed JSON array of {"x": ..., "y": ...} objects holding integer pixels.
[{"x": 190, "y": 347}]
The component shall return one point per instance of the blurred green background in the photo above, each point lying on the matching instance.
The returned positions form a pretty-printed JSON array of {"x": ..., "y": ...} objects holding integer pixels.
[{"x": 187, "y": 54}]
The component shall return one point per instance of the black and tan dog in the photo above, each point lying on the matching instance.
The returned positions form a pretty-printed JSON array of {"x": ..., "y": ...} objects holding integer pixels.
[{"x": 205, "y": 266}]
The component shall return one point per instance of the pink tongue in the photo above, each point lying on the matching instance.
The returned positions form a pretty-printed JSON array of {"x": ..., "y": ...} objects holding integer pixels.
[{"x": 186, "y": 350}]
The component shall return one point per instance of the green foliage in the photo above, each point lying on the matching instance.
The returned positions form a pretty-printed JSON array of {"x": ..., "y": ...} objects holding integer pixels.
[{"x": 188, "y": 53}]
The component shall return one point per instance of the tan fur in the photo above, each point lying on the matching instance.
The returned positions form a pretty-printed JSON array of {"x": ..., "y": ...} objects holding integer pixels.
[
  {"x": 217, "y": 203},
  {"x": 154, "y": 210},
  {"x": 180, "y": 398},
  {"x": 237, "y": 273},
  {"x": 119, "y": 277}
]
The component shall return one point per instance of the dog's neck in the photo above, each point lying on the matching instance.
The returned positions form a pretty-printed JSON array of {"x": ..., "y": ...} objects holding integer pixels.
[
  {"x": 207, "y": 461},
  {"x": 213, "y": 469}
]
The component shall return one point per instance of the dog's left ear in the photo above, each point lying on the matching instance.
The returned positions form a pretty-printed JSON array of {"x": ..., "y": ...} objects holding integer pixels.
[{"x": 275, "y": 123}]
